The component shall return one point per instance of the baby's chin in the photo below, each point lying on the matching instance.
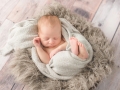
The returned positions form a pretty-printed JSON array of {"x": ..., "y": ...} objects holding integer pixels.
[
  {"x": 46, "y": 46},
  {"x": 51, "y": 46}
]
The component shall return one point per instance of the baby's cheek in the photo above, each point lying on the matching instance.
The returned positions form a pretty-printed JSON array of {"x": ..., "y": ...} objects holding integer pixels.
[
  {"x": 44, "y": 43},
  {"x": 59, "y": 41}
]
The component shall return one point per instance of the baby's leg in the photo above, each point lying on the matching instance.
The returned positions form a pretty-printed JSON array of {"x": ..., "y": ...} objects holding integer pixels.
[
  {"x": 74, "y": 45},
  {"x": 82, "y": 51}
]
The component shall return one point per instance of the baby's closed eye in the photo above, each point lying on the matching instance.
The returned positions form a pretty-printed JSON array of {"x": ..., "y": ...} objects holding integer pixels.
[
  {"x": 50, "y": 38},
  {"x": 45, "y": 38},
  {"x": 55, "y": 38}
]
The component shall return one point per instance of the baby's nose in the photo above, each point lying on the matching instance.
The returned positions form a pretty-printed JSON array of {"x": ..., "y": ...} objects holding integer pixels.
[{"x": 51, "y": 41}]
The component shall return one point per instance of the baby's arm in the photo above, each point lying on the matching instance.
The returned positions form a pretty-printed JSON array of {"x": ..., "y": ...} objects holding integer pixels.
[
  {"x": 59, "y": 48},
  {"x": 44, "y": 57},
  {"x": 62, "y": 46}
]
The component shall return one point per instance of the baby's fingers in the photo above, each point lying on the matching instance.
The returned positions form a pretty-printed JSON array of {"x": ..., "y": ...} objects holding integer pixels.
[{"x": 36, "y": 39}]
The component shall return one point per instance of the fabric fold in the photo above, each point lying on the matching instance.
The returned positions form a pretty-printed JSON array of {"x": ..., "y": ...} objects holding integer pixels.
[{"x": 20, "y": 37}]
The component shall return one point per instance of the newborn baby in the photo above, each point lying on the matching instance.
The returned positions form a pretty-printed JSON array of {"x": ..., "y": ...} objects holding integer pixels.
[{"x": 51, "y": 41}]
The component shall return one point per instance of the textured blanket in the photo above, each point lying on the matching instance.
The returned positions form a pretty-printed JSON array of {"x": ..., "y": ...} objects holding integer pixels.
[
  {"x": 63, "y": 65},
  {"x": 20, "y": 37}
]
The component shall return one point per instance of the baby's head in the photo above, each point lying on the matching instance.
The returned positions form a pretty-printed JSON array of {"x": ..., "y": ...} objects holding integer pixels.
[{"x": 49, "y": 30}]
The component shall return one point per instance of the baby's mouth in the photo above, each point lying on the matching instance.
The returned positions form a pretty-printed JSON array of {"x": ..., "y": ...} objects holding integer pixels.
[{"x": 51, "y": 45}]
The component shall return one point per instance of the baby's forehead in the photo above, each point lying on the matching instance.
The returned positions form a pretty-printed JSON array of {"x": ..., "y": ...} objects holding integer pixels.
[
  {"x": 49, "y": 23},
  {"x": 49, "y": 20},
  {"x": 47, "y": 36},
  {"x": 49, "y": 17}
]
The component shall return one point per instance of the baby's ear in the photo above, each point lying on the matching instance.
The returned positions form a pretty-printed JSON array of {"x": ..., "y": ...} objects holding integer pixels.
[
  {"x": 39, "y": 34},
  {"x": 38, "y": 31}
]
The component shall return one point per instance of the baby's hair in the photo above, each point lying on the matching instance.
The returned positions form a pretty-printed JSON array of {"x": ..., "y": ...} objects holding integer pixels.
[{"x": 48, "y": 20}]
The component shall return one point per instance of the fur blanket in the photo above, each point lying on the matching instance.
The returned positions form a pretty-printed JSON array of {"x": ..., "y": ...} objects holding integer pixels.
[{"x": 26, "y": 72}]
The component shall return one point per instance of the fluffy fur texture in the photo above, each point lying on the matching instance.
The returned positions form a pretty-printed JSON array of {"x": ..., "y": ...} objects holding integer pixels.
[{"x": 27, "y": 73}]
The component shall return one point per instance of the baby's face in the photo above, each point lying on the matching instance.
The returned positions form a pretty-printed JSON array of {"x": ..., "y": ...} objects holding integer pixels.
[{"x": 50, "y": 37}]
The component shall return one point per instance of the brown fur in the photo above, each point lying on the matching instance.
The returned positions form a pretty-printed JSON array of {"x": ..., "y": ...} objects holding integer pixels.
[{"x": 26, "y": 72}]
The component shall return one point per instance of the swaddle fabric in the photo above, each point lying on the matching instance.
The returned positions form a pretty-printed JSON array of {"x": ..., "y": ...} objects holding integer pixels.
[{"x": 63, "y": 65}]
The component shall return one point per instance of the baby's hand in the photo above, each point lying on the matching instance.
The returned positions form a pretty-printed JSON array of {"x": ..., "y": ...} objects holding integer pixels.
[
  {"x": 36, "y": 41},
  {"x": 53, "y": 53}
]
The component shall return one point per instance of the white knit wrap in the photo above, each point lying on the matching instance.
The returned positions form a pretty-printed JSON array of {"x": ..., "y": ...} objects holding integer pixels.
[{"x": 63, "y": 65}]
